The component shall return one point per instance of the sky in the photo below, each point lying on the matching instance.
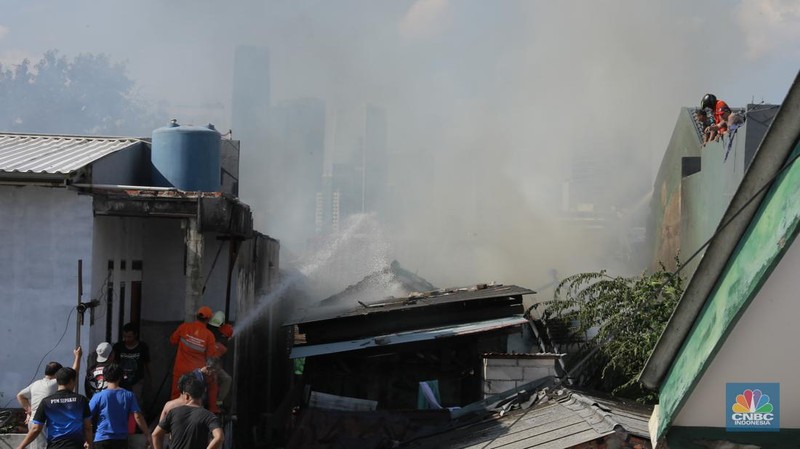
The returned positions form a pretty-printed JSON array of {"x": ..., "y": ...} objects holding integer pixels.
[{"x": 488, "y": 103}]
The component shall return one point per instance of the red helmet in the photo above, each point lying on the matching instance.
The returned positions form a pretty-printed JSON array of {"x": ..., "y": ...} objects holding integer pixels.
[{"x": 226, "y": 330}]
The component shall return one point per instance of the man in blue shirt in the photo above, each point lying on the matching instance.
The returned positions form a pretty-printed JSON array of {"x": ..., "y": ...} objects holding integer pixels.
[
  {"x": 66, "y": 415},
  {"x": 112, "y": 407}
]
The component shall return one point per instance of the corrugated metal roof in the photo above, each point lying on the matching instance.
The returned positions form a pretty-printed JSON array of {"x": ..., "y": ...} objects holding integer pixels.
[
  {"x": 50, "y": 154},
  {"x": 406, "y": 337},
  {"x": 521, "y": 355},
  {"x": 562, "y": 418},
  {"x": 415, "y": 300}
]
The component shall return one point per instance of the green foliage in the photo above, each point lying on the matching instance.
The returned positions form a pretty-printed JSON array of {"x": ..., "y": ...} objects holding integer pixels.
[
  {"x": 88, "y": 94},
  {"x": 621, "y": 317}
]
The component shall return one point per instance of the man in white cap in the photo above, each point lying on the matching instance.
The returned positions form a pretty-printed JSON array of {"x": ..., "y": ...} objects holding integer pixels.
[{"x": 94, "y": 375}]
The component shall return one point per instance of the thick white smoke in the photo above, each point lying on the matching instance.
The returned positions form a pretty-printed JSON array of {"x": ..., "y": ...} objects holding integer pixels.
[{"x": 490, "y": 106}]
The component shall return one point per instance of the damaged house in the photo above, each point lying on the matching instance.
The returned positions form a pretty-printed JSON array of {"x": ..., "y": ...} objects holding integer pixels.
[
  {"x": 372, "y": 370},
  {"x": 111, "y": 230},
  {"x": 380, "y": 352}
]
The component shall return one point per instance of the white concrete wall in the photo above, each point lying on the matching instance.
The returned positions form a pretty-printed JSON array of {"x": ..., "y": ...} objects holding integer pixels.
[
  {"x": 758, "y": 349},
  {"x": 217, "y": 275},
  {"x": 159, "y": 244},
  {"x": 115, "y": 239},
  {"x": 43, "y": 233},
  {"x": 501, "y": 374},
  {"x": 164, "y": 284},
  {"x": 127, "y": 167}
]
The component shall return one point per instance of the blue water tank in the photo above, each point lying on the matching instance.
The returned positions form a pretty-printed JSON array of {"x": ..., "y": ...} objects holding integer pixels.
[{"x": 186, "y": 157}]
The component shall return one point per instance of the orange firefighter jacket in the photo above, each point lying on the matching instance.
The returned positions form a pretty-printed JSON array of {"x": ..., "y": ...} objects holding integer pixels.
[{"x": 195, "y": 344}]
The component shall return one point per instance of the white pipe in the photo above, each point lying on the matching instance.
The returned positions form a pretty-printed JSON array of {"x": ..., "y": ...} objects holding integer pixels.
[
  {"x": 194, "y": 264},
  {"x": 120, "y": 187}
]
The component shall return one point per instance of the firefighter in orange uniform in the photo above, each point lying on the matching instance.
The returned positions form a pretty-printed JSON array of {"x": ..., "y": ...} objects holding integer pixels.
[{"x": 195, "y": 344}]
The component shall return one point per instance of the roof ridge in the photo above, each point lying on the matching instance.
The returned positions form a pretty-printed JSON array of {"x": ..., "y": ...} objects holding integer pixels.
[{"x": 574, "y": 401}]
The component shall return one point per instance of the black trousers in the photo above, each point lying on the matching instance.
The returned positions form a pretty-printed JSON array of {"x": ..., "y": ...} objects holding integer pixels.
[{"x": 111, "y": 444}]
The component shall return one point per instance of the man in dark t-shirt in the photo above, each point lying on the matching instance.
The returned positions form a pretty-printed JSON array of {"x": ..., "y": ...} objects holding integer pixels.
[
  {"x": 189, "y": 425},
  {"x": 133, "y": 356},
  {"x": 66, "y": 415}
]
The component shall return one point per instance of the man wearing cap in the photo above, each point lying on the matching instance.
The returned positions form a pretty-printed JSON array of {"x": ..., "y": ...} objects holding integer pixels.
[
  {"x": 195, "y": 344},
  {"x": 95, "y": 381}
]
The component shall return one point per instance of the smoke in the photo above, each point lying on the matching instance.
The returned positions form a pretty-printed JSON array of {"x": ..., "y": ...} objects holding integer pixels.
[
  {"x": 342, "y": 259},
  {"x": 509, "y": 124},
  {"x": 423, "y": 19},
  {"x": 770, "y": 25}
]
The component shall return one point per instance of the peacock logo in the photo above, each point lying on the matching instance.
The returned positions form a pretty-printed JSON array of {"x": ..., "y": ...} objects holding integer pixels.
[
  {"x": 753, "y": 407},
  {"x": 752, "y": 401}
]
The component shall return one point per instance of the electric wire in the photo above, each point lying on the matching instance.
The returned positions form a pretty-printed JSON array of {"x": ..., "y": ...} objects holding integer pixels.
[
  {"x": 213, "y": 264},
  {"x": 153, "y": 405},
  {"x": 72, "y": 309},
  {"x": 725, "y": 224},
  {"x": 219, "y": 250},
  {"x": 5, "y": 417},
  {"x": 102, "y": 297},
  {"x": 719, "y": 229},
  {"x": 764, "y": 122}
]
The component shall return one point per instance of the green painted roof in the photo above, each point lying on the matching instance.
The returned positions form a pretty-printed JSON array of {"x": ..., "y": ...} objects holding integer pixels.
[{"x": 739, "y": 257}]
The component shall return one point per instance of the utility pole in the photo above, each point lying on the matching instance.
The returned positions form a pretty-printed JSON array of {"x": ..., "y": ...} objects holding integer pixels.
[{"x": 79, "y": 316}]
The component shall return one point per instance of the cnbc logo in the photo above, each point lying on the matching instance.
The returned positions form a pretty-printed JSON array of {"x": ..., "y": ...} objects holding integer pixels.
[{"x": 752, "y": 407}]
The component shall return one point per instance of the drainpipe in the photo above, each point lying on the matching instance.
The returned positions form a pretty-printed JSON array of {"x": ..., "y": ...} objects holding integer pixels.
[
  {"x": 233, "y": 252},
  {"x": 194, "y": 266}
]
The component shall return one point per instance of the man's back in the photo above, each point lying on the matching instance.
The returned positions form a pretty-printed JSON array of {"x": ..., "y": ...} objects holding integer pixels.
[
  {"x": 63, "y": 413},
  {"x": 719, "y": 109},
  {"x": 195, "y": 343},
  {"x": 170, "y": 405},
  {"x": 95, "y": 382},
  {"x": 189, "y": 426},
  {"x": 39, "y": 390},
  {"x": 112, "y": 407}
]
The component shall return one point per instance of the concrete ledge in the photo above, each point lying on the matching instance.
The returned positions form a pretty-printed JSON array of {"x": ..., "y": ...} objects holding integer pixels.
[{"x": 12, "y": 440}]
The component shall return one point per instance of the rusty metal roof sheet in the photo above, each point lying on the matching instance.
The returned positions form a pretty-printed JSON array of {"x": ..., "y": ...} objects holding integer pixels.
[
  {"x": 557, "y": 419},
  {"x": 413, "y": 301},
  {"x": 55, "y": 155},
  {"x": 406, "y": 337}
]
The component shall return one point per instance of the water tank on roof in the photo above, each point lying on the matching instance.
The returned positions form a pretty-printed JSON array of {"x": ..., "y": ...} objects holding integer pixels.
[{"x": 186, "y": 157}]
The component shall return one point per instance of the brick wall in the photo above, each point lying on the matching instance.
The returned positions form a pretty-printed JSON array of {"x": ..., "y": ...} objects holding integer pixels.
[{"x": 504, "y": 372}]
